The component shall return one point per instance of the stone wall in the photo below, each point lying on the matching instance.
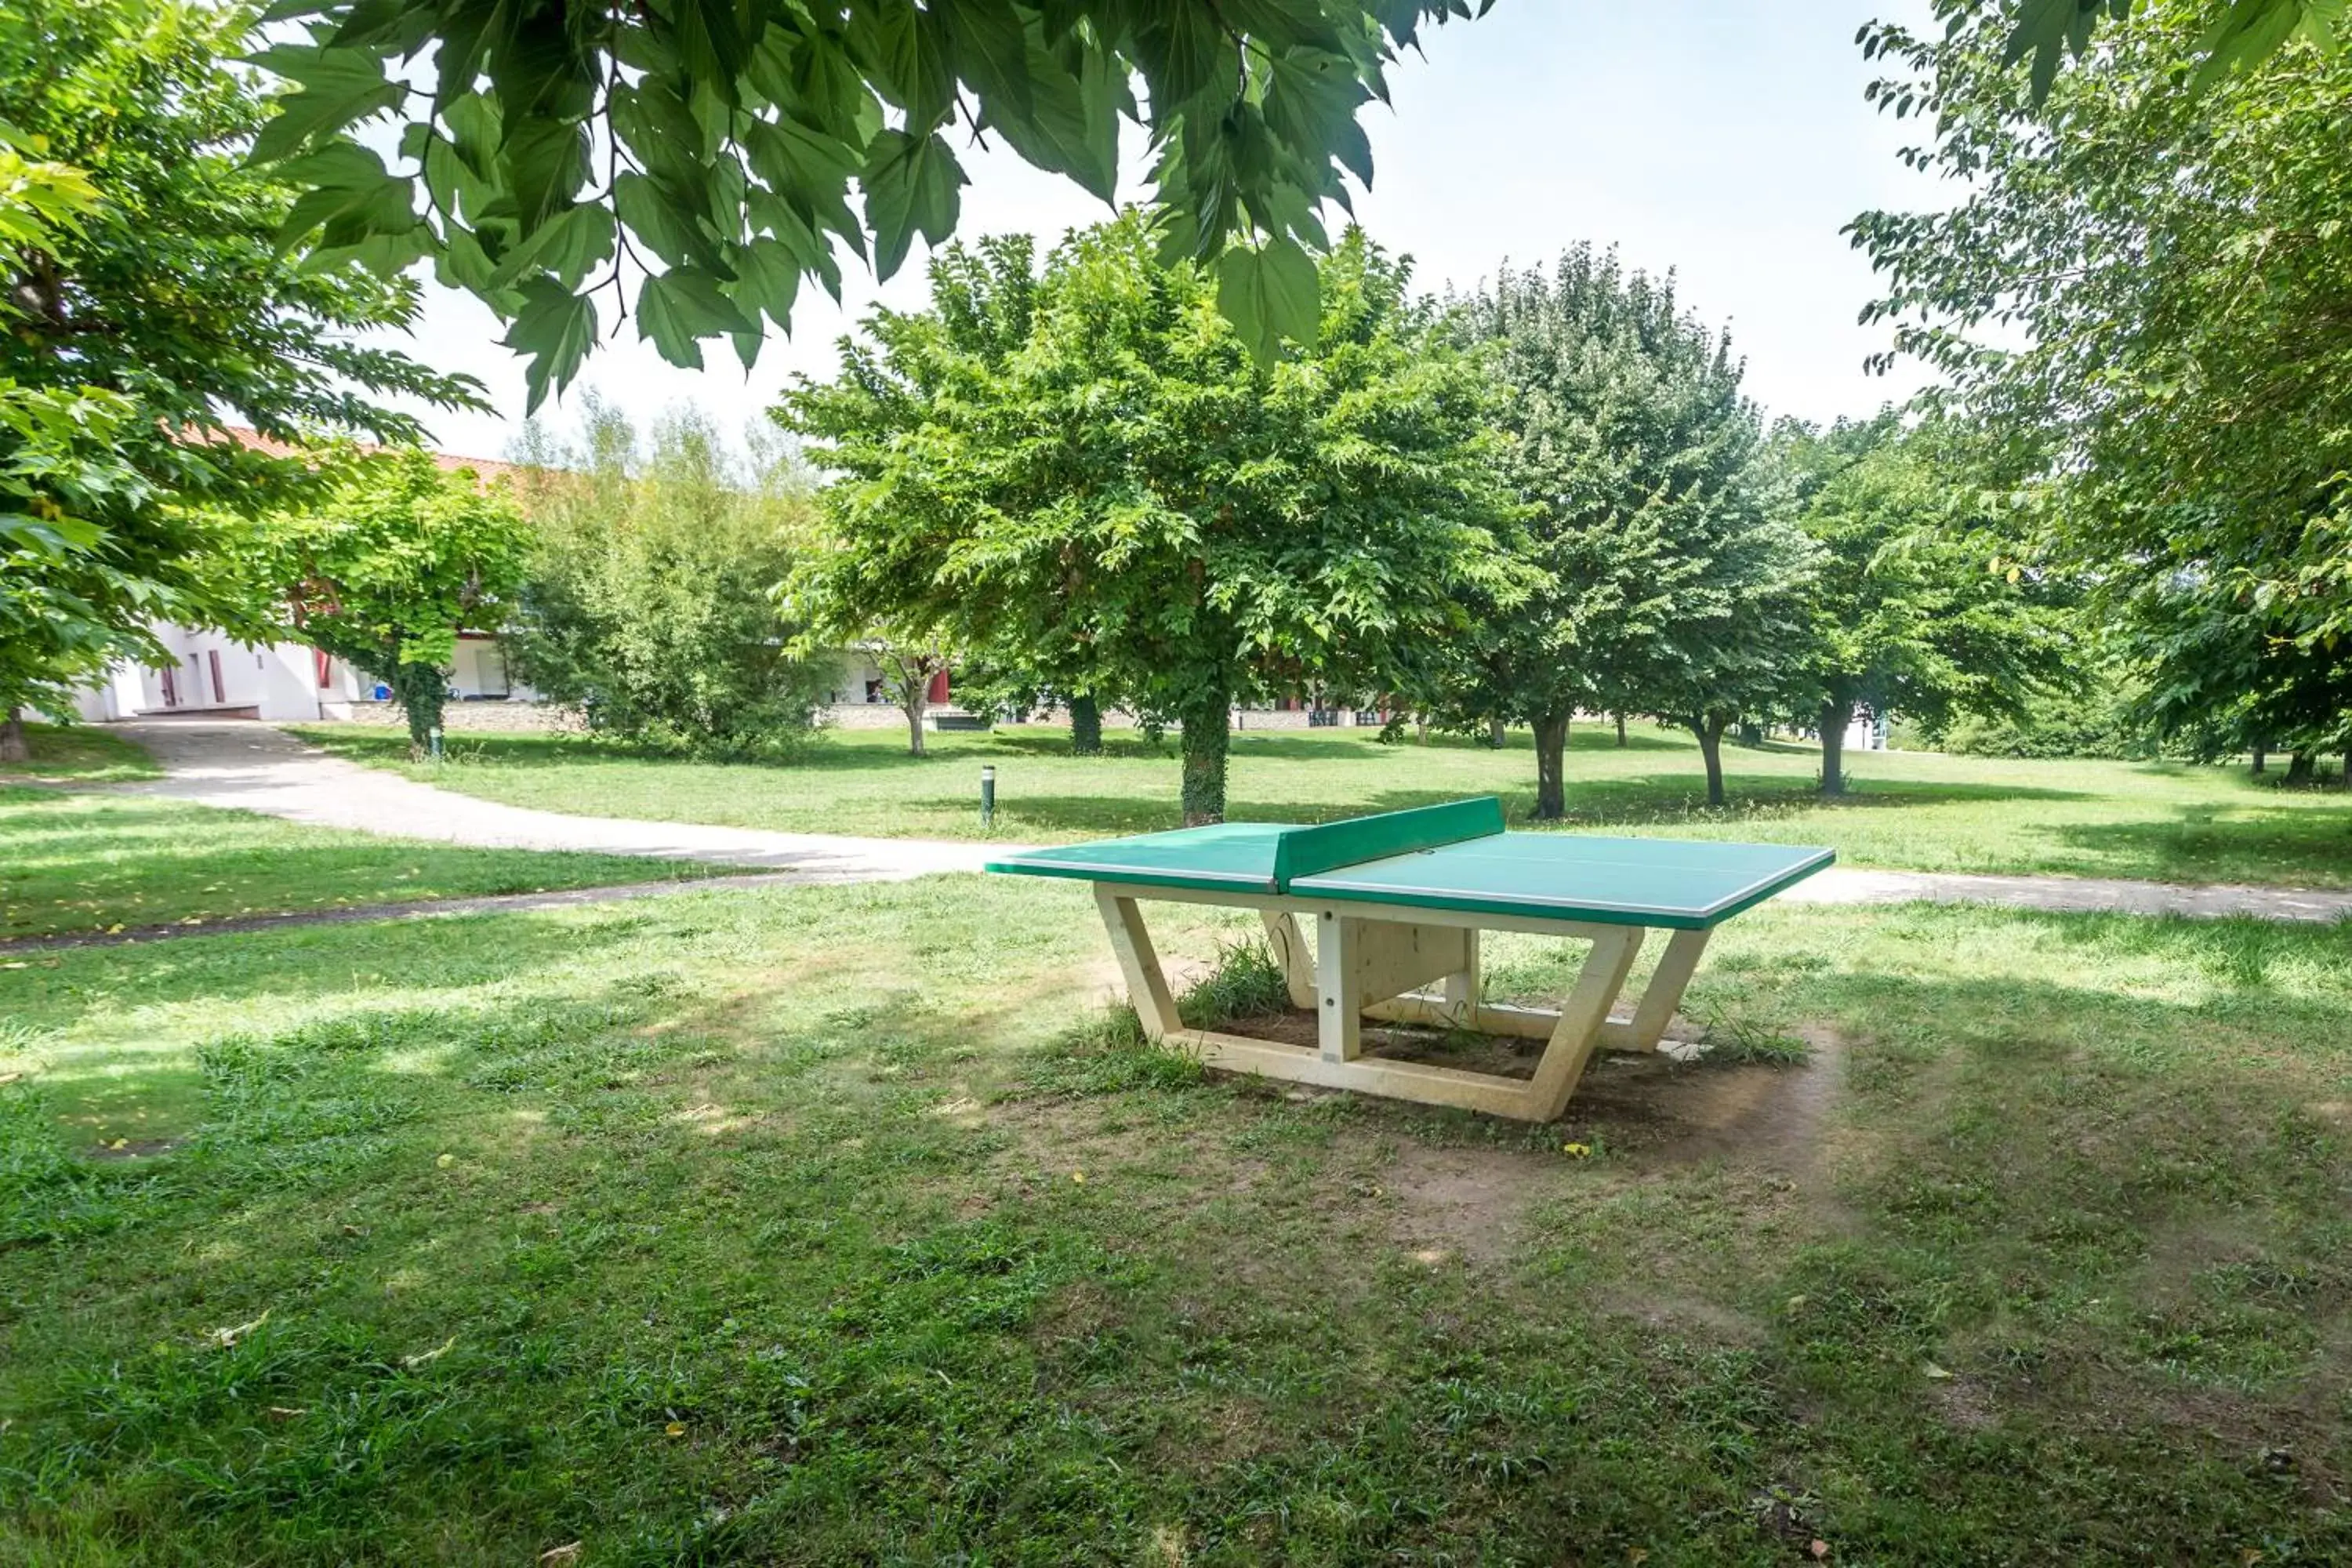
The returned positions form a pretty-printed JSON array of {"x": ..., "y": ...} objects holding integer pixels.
[
  {"x": 540, "y": 717},
  {"x": 861, "y": 716},
  {"x": 507, "y": 717}
]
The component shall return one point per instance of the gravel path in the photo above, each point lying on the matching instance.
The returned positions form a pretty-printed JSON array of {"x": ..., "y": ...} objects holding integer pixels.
[{"x": 257, "y": 768}]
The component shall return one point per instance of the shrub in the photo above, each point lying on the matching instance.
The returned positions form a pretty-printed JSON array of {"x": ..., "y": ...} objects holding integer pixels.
[
  {"x": 2100, "y": 722},
  {"x": 649, "y": 607}
]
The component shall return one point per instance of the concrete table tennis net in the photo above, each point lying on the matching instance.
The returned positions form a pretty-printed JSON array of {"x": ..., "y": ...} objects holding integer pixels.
[{"x": 1396, "y": 902}]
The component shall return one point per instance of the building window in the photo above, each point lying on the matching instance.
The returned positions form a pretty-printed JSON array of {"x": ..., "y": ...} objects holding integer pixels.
[
  {"x": 220, "y": 687},
  {"x": 490, "y": 671}
]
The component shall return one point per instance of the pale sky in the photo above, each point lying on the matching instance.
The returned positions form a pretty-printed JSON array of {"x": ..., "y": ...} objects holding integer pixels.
[{"x": 1727, "y": 140}]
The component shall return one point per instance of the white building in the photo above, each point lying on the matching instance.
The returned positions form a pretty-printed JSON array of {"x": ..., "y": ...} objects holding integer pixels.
[
  {"x": 214, "y": 678},
  {"x": 1866, "y": 732}
]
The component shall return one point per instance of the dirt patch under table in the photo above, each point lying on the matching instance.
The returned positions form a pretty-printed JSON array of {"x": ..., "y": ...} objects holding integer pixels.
[{"x": 1646, "y": 1111}]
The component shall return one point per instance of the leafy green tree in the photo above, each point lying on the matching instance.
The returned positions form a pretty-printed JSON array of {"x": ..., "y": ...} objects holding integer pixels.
[
  {"x": 144, "y": 305},
  {"x": 2227, "y": 681},
  {"x": 2147, "y": 294},
  {"x": 909, "y": 662},
  {"x": 648, "y": 603},
  {"x": 76, "y": 596},
  {"x": 1132, "y": 494},
  {"x": 710, "y": 146},
  {"x": 1921, "y": 603},
  {"x": 386, "y": 567},
  {"x": 1739, "y": 641},
  {"x": 1631, "y": 455}
]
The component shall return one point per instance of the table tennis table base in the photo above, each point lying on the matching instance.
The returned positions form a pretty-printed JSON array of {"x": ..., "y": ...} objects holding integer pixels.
[{"x": 1384, "y": 967}]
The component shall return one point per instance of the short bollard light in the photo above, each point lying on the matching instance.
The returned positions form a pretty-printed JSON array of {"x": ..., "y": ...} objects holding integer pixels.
[
  {"x": 988, "y": 797},
  {"x": 433, "y": 736}
]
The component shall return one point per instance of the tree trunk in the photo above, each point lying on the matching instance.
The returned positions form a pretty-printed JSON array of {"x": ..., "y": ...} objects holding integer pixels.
[
  {"x": 1086, "y": 726},
  {"x": 1551, "y": 767},
  {"x": 916, "y": 698},
  {"x": 2262, "y": 758},
  {"x": 1620, "y": 730},
  {"x": 13, "y": 746},
  {"x": 1710, "y": 749},
  {"x": 422, "y": 690},
  {"x": 1496, "y": 733},
  {"x": 1836, "y": 717},
  {"x": 1207, "y": 729},
  {"x": 2300, "y": 765}
]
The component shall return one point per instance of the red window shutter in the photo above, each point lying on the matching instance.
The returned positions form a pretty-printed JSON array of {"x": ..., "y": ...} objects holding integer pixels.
[
  {"x": 326, "y": 671},
  {"x": 171, "y": 689},
  {"x": 939, "y": 687},
  {"x": 220, "y": 688}
]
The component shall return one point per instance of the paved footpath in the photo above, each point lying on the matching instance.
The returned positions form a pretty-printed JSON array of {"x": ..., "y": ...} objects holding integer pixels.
[{"x": 255, "y": 768}]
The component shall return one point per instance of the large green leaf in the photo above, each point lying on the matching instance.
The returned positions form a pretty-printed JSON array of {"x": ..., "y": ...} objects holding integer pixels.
[
  {"x": 351, "y": 196},
  {"x": 771, "y": 213},
  {"x": 544, "y": 162},
  {"x": 555, "y": 327},
  {"x": 911, "y": 187},
  {"x": 767, "y": 279},
  {"x": 1070, "y": 125},
  {"x": 810, "y": 168},
  {"x": 679, "y": 308},
  {"x": 1269, "y": 294},
  {"x": 661, "y": 219},
  {"x": 904, "y": 50},
  {"x": 338, "y": 87}
]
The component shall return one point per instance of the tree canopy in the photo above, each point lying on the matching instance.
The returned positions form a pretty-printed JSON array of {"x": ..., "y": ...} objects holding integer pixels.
[
  {"x": 146, "y": 306},
  {"x": 706, "y": 149},
  {"x": 648, "y": 606},
  {"x": 387, "y": 566},
  {"x": 2178, "y": 269},
  {"x": 1921, "y": 598},
  {"x": 1087, "y": 474},
  {"x": 2235, "y": 36},
  {"x": 1631, "y": 457}
]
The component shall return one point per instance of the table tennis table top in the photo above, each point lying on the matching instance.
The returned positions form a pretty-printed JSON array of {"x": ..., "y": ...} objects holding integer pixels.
[{"x": 1452, "y": 856}]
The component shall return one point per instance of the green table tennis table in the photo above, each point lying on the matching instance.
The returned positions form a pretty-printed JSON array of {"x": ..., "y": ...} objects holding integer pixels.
[{"x": 1397, "y": 901}]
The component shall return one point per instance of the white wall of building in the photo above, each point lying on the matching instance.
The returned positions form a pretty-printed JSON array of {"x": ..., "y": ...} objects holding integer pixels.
[
  {"x": 1867, "y": 734},
  {"x": 289, "y": 681}
]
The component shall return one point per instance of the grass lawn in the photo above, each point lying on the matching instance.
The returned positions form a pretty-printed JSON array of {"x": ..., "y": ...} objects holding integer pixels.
[
  {"x": 80, "y": 754},
  {"x": 75, "y": 861},
  {"x": 1918, "y": 811},
  {"x": 838, "y": 1226}
]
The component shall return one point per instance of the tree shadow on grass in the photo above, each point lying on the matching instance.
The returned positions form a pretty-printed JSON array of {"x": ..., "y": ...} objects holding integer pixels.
[
  {"x": 81, "y": 882},
  {"x": 2286, "y": 846},
  {"x": 1655, "y": 800},
  {"x": 1665, "y": 797},
  {"x": 307, "y": 964},
  {"x": 77, "y": 820}
]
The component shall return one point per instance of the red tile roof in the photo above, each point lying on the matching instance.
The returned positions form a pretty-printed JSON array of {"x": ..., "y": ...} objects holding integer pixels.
[{"x": 253, "y": 440}]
